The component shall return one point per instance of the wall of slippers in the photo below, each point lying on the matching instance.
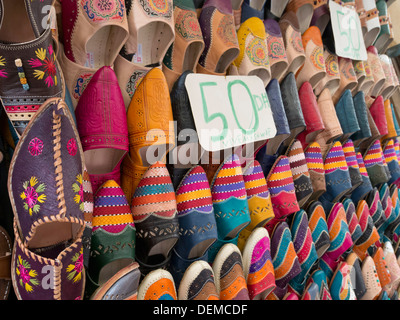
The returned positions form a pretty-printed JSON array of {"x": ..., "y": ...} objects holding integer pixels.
[{"x": 199, "y": 150}]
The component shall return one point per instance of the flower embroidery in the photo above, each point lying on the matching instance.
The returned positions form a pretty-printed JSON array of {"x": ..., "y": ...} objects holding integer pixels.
[
  {"x": 317, "y": 58},
  {"x": 71, "y": 147},
  {"x": 26, "y": 275},
  {"x": 187, "y": 25},
  {"x": 226, "y": 31},
  {"x": 257, "y": 52},
  {"x": 103, "y": 10},
  {"x": 3, "y": 73},
  {"x": 134, "y": 81},
  {"x": 276, "y": 48},
  {"x": 33, "y": 196},
  {"x": 297, "y": 43},
  {"x": 162, "y": 8},
  {"x": 75, "y": 268},
  {"x": 45, "y": 66},
  {"x": 81, "y": 84},
  {"x": 332, "y": 67},
  {"x": 35, "y": 147},
  {"x": 77, "y": 187}
]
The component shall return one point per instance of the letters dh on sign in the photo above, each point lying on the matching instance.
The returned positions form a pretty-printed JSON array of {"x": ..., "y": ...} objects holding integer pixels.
[
  {"x": 346, "y": 26},
  {"x": 229, "y": 111}
]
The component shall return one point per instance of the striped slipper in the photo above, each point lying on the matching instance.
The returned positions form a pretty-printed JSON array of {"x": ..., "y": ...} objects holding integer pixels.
[
  {"x": 229, "y": 198},
  {"x": 316, "y": 169},
  {"x": 154, "y": 212},
  {"x": 157, "y": 285},
  {"x": 305, "y": 250},
  {"x": 258, "y": 198},
  {"x": 351, "y": 159},
  {"x": 360, "y": 192},
  {"x": 352, "y": 220},
  {"x": 301, "y": 176},
  {"x": 392, "y": 161},
  {"x": 321, "y": 280},
  {"x": 257, "y": 264},
  {"x": 375, "y": 208},
  {"x": 340, "y": 285},
  {"x": 319, "y": 227},
  {"x": 374, "y": 163}
]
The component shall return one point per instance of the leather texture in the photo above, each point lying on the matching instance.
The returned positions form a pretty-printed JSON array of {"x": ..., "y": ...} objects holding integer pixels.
[
  {"x": 352, "y": 220},
  {"x": 351, "y": 159},
  {"x": 304, "y": 10},
  {"x": 374, "y": 163},
  {"x": 318, "y": 227},
  {"x": 316, "y": 169},
  {"x": 356, "y": 276},
  {"x": 376, "y": 70},
  {"x": 371, "y": 279},
  {"x": 362, "y": 118},
  {"x": 321, "y": 15},
  {"x": 348, "y": 78},
  {"x": 346, "y": 114},
  {"x": 320, "y": 279},
  {"x": 332, "y": 76},
  {"x": 6, "y": 247},
  {"x": 157, "y": 285},
  {"x": 340, "y": 286}
]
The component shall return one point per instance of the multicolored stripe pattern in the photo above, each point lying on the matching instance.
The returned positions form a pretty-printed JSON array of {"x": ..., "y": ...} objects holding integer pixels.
[
  {"x": 319, "y": 228},
  {"x": 260, "y": 277},
  {"x": 389, "y": 152},
  {"x": 254, "y": 181},
  {"x": 335, "y": 159},
  {"x": 154, "y": 195},
  {"x": 281, "y": 186},
  {"x": 352, "y": 220},
  {"x": 397, "y": 147},
  {"x": 374, "y": 155},
  {"x": 361, "y": 165},
  {"x": 338, "y": 231},
  {"x": 350, "y": 154},
  {"x": 341, "y": 288},
  {"x": 297, "y": 160},
  {"x": 87, "y": 197},
  {"x": 111, "y": 211},
  {"x": 228, "y": 181},
  {"x": 314, "y": 158},
  {"x": 194, "y": 192}
]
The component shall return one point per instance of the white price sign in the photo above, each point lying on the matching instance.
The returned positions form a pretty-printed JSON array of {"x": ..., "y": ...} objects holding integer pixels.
[
  {"x": 229, "y": 111},
  {"x": 346, "y": 26}
]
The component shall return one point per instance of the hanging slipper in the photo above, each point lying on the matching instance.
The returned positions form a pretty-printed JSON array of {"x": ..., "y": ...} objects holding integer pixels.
[
  {"x": 332, "y": 76},
  {"x": 6, "y": 247},
  {"x": 316, "y": 169},
  {"x": 47, "y": 201},
  {"x": 319, "y": 228}
]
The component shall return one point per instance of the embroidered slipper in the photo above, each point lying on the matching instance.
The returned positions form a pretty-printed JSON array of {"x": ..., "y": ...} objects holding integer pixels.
[
  {"x": 123, "y": 285},
  {"x": 6, "y": 247},
  {"x": 112, "y": 227},
  {"x": 351, "y": 160},
  {"x": 370, "y": 235},
  {"x": 356, "y": 275},
  {"x": 253, "y": 58},
  {"x": 102, "y": 126},
  {"x": 230, "y": 199},
  {"x": 352, "y": 220},
  {"x": 321, "y": 15},
  {"x": 30, "y": 72},
  {"x": 129, "y": 75},
  {"x": 157, "y": 285},
  {"x": 340, "y": 286},
  {"x": 318, "y": 227},
  {"x": 151, "y": 31},
  {"x": 316, "y": 169},
  {"x": 313, "y": 69},
  {"x": 372, "y": 24},
  {"x": 197, "y": 226},
  {"x": 220, "y": 39},
  {"x": 276, "y": 49},
  {"x": 337, "y": 176},
  {"x": 381, "y": 267},
  {"x": 257, "y": 264},
  {"x": 198, "y": 283},
  {"x": 359, "y": 70},
  {"x": 304, "y": 10},
  {"x": 281, "y": 186},
  {"x": 305, "y": 249},
  {"x": 390, "y": 84},
  {"x": 290, "y": 30},
  {"x": 284, "y": 259},
  {"x": 348, "y": 78},
  {"x": 339, "y": 232},
  {"x": 185, "y": 51},
  {"x": 320, "y": 279},
  {"x": 373, "y": 159},
  {"x": 301, "y": 176},
  {"x": 103, "y": 31},
  {"x": 332, "y": 76},
  {"x": 48, "y": 207},
  {"x": 229, "y": 276},
  {"x": 369, "y": 81},
  {"x": 333, "y": 129},
  {"x": 376, "y": 70},
  {"x": 371, "y": 279},
  {"x": 154, "y": 212},
  {"x": 258, "y": 199},
  {"x": 151, "y": 135},
  {"x": 360, "y": 108},
  {"x": 312, "y": 116},
  {"x": 291, "y": 102}
]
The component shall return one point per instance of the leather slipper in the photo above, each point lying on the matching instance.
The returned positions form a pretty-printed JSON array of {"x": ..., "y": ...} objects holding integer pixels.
[
  {"x": 352, "y": 220},
  {"x": 157, "y": 285},
  {"x": 253, "y": 9},
  {"x": 332, "y": 76},
  {"x": 368, "y": 82},
  {"x": 377, "y": 71},
  {"x": 6, "y": 247},
  {"x": 318, "y": 227},
  {"x": 304, "y": 10},
  {"x": 316, "y": 169},
  {"x": 384, "y": 35},
  {"x": 348, "y": 78},
  {"x": 372, "y": 24},
  {"x": 390, "y": 84},
  {"x": 321, "y": 15},
  {"x": 360, "y": 107},
  {"x": 346, "y": 114}
]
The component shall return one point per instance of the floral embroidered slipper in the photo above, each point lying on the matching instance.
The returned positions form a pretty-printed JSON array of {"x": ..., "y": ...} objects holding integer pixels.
[
  {"x": 154, "y": 212},
  {"x": 257, "y": 264},
  {"x": 229, "y": 198},
  {"x": 198, "y": 283},
  {"x": 103, "y": 127},
  {"x": 157, "y": 285},
  {"x": 112, "y": 242},
  {"x": 47, "y": 201},
  {"x": 29, "y": 69},
  {"x": 6, "y": 247},
  {"x": 229, "y": 276},
  {"x": 253, "y": 56},
  {"x": 332, "y": 77}
]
